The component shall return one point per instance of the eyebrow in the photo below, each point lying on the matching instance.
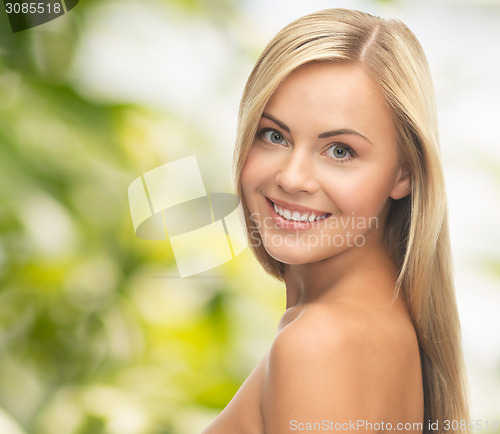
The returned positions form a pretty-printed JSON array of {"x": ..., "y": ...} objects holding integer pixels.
[
  {"x": 340, "y": 132},
  {"x": 276, "y": 121},
  {"x": 326, "y": 134}
]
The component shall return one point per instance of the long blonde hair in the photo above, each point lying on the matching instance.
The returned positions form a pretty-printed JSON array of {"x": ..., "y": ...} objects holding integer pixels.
[{"x": 417, "y": 227}]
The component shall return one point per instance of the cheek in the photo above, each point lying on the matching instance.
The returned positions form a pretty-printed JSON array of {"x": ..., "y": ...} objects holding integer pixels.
[
  {"x": 258, "y": 170},
  {"x": 250, "y": 174},
  {"x": 362, "y": 192},
  {"x": 253, "y": 177}
]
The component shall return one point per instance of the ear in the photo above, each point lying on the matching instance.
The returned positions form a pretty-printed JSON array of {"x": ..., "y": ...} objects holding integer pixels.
[{"x": 402, "y": 186}]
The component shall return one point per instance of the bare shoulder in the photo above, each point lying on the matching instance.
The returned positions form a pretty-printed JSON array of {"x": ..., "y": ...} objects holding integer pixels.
[
  {"x": 340, "y": 332},
  {"x": 338, "y": 363},
  {"x": 323, "y": 331}
]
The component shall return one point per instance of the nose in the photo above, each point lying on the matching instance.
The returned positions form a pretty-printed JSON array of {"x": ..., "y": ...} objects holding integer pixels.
[{"x": 297, "y": 173}]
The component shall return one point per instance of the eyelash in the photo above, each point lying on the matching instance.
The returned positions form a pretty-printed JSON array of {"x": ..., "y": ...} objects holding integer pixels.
[
  {"x": 263, "y": 131},
  {"x": 351, "y": 152}
]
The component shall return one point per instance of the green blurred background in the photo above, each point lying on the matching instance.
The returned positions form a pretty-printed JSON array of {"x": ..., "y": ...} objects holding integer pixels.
[{"x": 97, "y": 332}]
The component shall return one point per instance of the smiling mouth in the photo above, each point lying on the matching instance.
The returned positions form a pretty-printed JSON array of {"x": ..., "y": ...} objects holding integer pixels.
[{"x": 292, "y": 214}]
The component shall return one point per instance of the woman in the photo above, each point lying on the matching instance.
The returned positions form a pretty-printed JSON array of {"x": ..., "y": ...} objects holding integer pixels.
[{"x": 339, "y": 173}]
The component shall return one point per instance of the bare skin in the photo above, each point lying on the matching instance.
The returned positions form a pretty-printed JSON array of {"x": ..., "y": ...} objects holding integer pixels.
[
  {"x": 346, "y": 351},
  {"x": 338, "y": 357}
]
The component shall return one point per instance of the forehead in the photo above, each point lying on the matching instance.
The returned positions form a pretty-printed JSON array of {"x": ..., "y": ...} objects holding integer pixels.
[
  {"x": 322, "y": 80},
  {"x": 327, "y": 94}
]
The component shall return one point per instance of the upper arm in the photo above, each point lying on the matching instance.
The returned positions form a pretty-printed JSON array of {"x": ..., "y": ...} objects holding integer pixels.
[{"x": 319, "y": 372}]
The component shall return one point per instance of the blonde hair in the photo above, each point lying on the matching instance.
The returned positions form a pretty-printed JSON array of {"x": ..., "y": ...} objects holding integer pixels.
[{"x": 417, "y": 227}]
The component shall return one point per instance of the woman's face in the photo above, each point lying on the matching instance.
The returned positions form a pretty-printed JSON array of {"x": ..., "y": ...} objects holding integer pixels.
[{"x": 323, "y": 165}]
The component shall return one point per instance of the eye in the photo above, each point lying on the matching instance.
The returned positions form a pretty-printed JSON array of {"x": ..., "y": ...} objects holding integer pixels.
[
  {"x": 340, "y": 152},
  {"x": 273, "y": 136}
]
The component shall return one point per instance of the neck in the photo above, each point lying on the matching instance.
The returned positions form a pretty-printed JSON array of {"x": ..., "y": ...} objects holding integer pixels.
[{"x": 348, "y": 274}]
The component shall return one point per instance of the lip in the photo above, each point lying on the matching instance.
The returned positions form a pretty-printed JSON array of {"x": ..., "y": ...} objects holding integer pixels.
[
  {"x": 283, "y": 223},
  {"x": 295, "y": 207}
]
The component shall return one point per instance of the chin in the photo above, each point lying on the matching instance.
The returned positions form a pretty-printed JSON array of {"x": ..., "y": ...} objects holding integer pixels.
[{"x": 293, "y": 255}]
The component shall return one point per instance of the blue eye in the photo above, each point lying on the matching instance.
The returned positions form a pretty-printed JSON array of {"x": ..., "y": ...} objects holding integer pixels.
[
  {"x": 339, "y": 152},
  {"x": 274, "y": 137}
]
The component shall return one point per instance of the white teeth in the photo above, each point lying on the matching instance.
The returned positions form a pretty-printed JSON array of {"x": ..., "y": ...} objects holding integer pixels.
[{"x": 296, "y": 215}]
